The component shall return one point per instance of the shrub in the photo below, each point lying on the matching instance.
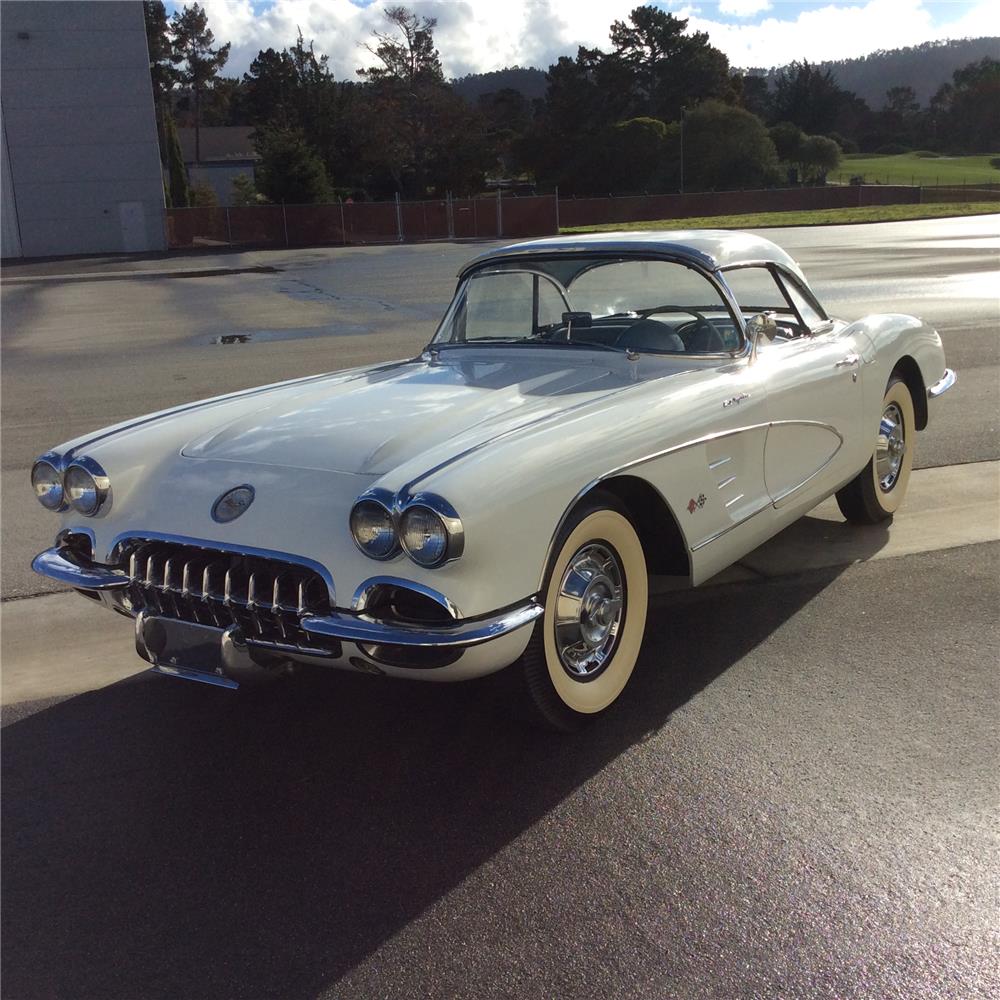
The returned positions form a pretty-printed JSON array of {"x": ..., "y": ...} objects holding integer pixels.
[
  {"x": 927, "y": 154},
  {"x": 203, "y": 195},
  {"x": 892, "y": 149},
  {"x": 995, "y": 162}
]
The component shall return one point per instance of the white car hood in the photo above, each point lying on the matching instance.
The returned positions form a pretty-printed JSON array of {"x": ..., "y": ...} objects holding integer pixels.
[{"x": 371, "y": 424}]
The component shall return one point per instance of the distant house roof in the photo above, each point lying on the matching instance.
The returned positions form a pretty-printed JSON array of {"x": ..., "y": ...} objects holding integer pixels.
[{"x": 219, "y": 143}]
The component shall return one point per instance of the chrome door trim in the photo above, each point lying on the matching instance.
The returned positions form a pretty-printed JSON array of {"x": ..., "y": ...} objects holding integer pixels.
[{"x": 704, "y": 439}]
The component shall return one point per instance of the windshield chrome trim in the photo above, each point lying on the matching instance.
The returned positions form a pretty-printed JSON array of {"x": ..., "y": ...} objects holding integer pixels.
[{"x": 696, "y": 261}]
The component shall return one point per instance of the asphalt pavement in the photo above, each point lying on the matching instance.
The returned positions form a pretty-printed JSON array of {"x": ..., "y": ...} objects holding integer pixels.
[
  {"x": 796, "y": 798},
  {"x": 88, "y": 343}
]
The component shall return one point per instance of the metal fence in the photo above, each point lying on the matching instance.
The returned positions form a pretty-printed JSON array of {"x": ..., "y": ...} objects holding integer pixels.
[
  {"x": 503, "y": 217},
  {"x": 362, "y": 222}
]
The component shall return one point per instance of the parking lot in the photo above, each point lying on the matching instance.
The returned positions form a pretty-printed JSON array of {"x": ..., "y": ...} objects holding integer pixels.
[{"x": 797, "y": 796}]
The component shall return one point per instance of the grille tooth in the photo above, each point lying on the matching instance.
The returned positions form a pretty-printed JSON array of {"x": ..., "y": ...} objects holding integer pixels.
[
  {"x": 171, "y": 573},
  {"x": 214, "y": 587}
]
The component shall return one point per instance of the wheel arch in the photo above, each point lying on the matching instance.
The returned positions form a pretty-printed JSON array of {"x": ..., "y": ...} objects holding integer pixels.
[
  {"x": 909, "y": 371},
  {"x": 659, "y": 532}
]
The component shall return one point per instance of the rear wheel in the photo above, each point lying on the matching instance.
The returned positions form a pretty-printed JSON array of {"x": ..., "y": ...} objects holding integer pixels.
[
  {"x": 583, "y": 649},
  {"x": 876, "y": 492}
]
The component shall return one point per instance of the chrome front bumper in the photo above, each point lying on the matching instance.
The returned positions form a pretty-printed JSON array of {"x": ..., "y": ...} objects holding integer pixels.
[
  {"x": 65, "y": 566},
  {"x": 942, "y": 385}
]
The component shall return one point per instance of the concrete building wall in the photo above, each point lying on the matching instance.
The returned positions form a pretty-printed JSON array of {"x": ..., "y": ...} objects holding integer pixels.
[
  {"x": 80, "y": 130},
  {"x": 219, "y": 177}
]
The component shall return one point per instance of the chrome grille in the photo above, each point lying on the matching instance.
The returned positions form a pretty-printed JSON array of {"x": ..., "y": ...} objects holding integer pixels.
[{"x": 265, "y": 597}]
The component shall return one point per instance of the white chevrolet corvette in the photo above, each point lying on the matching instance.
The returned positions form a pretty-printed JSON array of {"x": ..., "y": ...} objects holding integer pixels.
[{"x": 592, "y": 410}]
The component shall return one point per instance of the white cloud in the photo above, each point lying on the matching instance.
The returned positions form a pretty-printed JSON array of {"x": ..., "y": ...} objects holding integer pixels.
[
  {"x": 743, "y": 8},
  {"x": 478, "y": 35},
  {"x": 841, "y": 32}
]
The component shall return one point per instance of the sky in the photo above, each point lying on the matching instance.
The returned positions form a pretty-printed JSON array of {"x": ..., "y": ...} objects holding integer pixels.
[{"x": 474, "y": 36}]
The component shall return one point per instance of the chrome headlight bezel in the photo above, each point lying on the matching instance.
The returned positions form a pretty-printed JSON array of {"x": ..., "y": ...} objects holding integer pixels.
[
  {"x": 380, "y": 504},
  {"x": 397, "y": 506},
  {"x": 435, "y": 520},
  {"x": 55, "y": 499},
  {"x": 99, "y": 486}
]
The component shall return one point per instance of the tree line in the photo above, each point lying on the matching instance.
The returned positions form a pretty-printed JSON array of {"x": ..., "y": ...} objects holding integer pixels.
[{"x": 662, "y": 110}]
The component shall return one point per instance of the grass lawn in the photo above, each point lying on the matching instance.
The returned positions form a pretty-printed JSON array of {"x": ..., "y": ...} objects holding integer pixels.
[
  {"x": 908, "y": 168},
  {"x": 818, "y": 217}
]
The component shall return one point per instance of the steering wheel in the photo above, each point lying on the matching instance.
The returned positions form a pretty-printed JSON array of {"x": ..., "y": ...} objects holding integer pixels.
[{"x": 688, "y": 330}]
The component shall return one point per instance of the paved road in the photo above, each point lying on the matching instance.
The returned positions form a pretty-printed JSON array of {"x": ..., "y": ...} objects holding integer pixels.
[
  {"x": 800, "y": 804},
  {"x": 79, "y": 354},
  {"x": 797, "y": 798}
]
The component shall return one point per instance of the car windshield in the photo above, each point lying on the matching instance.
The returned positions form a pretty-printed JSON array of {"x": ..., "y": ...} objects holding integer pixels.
[{"x": 651, "y": 306}]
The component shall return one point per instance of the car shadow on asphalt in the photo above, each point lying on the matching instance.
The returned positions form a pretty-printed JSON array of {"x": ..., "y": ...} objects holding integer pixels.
[{"x": 163, "y": 839}]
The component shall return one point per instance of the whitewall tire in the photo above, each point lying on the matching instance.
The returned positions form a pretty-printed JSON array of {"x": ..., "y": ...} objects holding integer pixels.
[
  {"x": 584, "y": 648},
  {"x": 876, "y": 493}
]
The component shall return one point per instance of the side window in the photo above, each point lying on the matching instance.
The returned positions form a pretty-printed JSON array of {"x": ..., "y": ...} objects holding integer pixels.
[
  {"x": 805, "y": 309},
  {"x": 498, "y": 305},
  {"x": 502, "y": 304},
  {"x": 755, "y": 289}
]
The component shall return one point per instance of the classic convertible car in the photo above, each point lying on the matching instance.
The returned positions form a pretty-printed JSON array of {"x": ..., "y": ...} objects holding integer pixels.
[{"x": 591, "y": 410}]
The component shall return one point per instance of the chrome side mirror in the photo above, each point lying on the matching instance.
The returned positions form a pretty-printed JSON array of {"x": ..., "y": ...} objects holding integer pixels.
[{"x": 760, "y": 327}]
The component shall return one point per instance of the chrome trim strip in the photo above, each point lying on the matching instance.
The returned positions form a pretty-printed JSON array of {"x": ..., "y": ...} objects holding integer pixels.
[
  {"x": 183, "y": 673},
  {"x": 535, "y": 421},
  {"x": 725, "y": 482},
  {"x": 736, "y": 499},
  {"x": 705, "y": 439},
  {"x": 364, "y": 593},
  {"x": 779, "y": 500},
  {"x": 139, "y": 535},
  {"x": 729, "y": 527},
  {"x": 62, "y": 564},
  {"x": 719, "y": 461},
  {"x": 187, "y": 407},
  {"x": 943, "y": 384},
  {"x": 467, "y": 632}
]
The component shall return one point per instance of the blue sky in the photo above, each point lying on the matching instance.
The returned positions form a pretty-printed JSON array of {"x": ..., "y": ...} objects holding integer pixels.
[{"x": 479, "y": 35}]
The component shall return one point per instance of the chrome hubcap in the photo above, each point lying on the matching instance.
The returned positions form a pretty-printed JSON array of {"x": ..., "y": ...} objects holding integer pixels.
[
  {"x": 590, "y": 606},
  {"x": 890, "y": 447}
]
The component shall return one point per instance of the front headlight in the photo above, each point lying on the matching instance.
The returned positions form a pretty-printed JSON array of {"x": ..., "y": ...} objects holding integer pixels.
[
  {"x": 424, "y": 536},
  {"x": 47, "y": 482},
  {"x": 373, "y": 530},
  {"x": 86, "y": 485}
]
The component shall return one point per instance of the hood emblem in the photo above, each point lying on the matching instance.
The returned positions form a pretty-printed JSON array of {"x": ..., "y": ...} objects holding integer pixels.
[{"x": 232, "y": 503}]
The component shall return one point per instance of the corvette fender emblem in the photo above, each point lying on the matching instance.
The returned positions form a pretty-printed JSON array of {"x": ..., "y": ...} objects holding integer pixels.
[
  {"x": 232, "y": 503},
  {"x": 694, "y": 505}
]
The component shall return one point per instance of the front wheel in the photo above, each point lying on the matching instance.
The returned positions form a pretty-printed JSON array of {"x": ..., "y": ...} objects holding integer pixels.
[
  {"x": 584, "y": 648},
  {"x": 876, "y": 492}
]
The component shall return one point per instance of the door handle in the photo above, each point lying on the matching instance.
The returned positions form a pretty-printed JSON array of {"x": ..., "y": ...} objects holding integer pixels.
[{"x": 848, "y": 362}]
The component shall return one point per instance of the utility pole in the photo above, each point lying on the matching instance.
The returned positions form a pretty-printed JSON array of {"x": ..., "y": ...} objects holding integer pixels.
[{"x": 683, "y": 113}]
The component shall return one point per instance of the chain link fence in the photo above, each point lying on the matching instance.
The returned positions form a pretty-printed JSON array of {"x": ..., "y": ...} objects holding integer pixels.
[
  {"x": 502, "y": 217},
  {"x": 347, "y": 223}
]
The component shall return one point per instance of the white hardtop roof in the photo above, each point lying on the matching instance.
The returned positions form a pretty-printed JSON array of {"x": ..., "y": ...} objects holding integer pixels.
[{"x": 713, "y": 249}]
